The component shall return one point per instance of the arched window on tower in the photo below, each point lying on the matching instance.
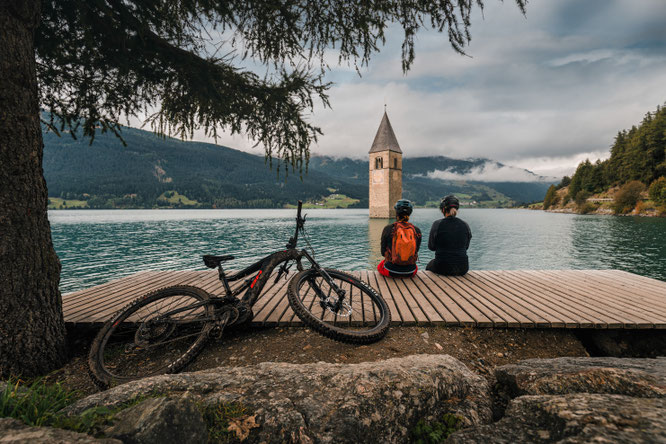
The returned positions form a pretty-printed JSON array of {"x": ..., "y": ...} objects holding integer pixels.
[
  {"x": 395, "y": 163},
  {"x": 379, "y": 163}
]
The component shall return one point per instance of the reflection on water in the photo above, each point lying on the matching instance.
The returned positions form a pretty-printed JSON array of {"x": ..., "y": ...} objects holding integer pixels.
[
  {"x": 375, "y": 228},
  {"x": 97, "y": 246},
  {"x": 633, "y": 244}
]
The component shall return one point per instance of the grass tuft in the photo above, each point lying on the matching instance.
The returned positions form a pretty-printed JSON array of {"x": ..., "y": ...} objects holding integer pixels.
[
  {"x": 435, "y": 432},
  {"x": 38, "y": 404},
  {"x": 35, "y": 404}
]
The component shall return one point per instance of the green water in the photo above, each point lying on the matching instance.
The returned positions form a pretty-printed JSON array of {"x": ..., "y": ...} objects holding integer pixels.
[{"x": 95, "y": 246}]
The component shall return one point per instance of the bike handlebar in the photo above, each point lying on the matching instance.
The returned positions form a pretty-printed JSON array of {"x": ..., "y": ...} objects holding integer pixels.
[{"x": 299, "y": 225}]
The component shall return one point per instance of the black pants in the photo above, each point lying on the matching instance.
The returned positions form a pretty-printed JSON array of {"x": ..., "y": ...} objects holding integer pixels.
[{"x": 445, "y": 269}]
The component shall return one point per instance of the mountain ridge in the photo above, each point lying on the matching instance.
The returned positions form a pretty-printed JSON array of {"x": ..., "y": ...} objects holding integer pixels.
[{"x": 151, "y": 170}]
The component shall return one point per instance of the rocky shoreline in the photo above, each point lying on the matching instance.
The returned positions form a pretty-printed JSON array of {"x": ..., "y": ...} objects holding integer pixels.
[
  {"x": 600, "y": 212},
  {"x": 575, "y": 399},
  {"x": 599, "y": 204}
]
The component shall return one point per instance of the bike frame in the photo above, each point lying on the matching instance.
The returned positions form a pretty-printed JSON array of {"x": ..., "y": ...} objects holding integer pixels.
[
  {"x": 256, "y": 284},
  {"x": 266, "y": 265}
]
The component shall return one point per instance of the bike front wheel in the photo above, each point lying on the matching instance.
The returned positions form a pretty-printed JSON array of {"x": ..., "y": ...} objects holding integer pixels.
[
  {"x": 158, "y": 333},
  {"x": 362, "y": 316}
]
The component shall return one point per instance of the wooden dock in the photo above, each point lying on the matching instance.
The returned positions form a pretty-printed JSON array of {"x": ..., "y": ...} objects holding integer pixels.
[{"x": 508, "y": 299}]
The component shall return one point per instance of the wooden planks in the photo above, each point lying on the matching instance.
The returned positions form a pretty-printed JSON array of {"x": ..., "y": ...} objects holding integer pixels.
[{"x": 502, "y": 299}]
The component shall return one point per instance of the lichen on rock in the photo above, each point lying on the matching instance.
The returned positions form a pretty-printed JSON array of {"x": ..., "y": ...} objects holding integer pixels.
[{"x": 577, "y": 400}]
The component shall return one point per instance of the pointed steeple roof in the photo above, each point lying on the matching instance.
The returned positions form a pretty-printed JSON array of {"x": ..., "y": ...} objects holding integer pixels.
[{"x": 385, "y": 139}]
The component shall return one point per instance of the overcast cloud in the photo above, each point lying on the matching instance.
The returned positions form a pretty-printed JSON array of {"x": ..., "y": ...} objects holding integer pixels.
[
  {"x": 490, "y": 172},
  {"x": 541, "y": 92}
]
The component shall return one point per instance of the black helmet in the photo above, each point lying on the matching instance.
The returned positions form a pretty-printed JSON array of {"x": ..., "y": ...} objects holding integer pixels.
[
  {"x": 403, "y": 206},
  {"x": 449, "y": 201}
]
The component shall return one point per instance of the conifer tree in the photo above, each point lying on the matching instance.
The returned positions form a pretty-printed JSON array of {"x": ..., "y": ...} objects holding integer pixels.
[
  {"x": 185, "y": 63},
  {"x": 566, "y": 180},
  {"x": 551, "y": 194},
  {"x": 657, "y": 191}
]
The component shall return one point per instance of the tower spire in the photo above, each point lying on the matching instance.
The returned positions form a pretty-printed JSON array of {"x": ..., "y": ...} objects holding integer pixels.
[{"x": 385, "y": 139}]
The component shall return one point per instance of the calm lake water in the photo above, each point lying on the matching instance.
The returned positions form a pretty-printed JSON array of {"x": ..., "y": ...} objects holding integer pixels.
[{"x": 95, "y": 246}]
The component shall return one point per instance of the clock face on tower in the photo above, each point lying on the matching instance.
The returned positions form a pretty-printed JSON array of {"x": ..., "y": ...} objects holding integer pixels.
[{"x": 378, "y": 176}]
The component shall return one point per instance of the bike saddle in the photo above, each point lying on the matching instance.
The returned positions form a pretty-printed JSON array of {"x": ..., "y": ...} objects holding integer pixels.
[{"x": 214, "y": 261}]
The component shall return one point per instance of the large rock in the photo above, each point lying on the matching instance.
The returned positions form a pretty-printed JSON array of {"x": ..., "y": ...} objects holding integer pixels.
[
  {"x": 577, "y": 400},
  {"x": 15, "y": 431},
  {"x": 159, "y": 420},
  {"x": 574, "y": 418},
  {"x": 644, "y": 378},
  {"x": 367, "y": 402}
]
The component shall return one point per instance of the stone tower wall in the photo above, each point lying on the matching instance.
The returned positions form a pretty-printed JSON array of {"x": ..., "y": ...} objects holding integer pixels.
[
  {"x": 385, "y": 183},
  {"x": 395, "y": 182}
]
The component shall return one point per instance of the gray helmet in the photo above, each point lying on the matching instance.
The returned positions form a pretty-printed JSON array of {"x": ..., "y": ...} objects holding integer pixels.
[
  {"x": 449, "y": 201},
  {"x": 403, "y": 206}
]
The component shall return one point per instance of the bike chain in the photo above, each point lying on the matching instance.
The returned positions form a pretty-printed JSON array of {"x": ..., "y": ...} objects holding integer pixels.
[{"x": 226, "y": 315}]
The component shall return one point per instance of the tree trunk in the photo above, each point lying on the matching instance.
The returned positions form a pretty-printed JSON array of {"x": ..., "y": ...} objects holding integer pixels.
[{"x": 32, "y": 330}]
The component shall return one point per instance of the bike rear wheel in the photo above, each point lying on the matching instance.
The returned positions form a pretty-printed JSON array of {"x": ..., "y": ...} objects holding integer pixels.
[
  {"x": 363, "y": 317},
  {"x": 158, "y": 333}
]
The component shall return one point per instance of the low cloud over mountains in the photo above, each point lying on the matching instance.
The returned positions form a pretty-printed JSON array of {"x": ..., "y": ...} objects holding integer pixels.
[{"x": 490, "y": 172}]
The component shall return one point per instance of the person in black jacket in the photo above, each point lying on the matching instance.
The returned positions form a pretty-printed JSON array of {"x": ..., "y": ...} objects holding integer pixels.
[
  {"x": 449, "y": 239},
  {"x": 408, "y": 268}
]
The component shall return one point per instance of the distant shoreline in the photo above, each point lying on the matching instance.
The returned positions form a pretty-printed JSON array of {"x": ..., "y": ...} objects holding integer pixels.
[
  {"x": 603, "y": 212},
  {"x": 266, "y": 208}
]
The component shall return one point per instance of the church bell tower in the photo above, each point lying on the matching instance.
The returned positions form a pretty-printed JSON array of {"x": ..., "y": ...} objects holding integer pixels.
[{"x": 385, "y": 172}]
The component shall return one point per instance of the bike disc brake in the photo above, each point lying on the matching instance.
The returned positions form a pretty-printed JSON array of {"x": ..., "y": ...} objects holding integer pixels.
[{"x": 344, "y": 311}]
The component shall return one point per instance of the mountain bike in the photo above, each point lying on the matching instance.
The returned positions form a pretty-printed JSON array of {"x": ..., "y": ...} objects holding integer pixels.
[{"x": 166, "y": 329}]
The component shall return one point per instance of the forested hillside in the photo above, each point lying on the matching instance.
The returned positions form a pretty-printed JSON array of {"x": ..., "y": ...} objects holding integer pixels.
[
  {"x": 636, "y": 154},
  {"x": 164, "y": 172},
  {"x": 149, "y": 169},
  {"x": 637, "y": 162}
]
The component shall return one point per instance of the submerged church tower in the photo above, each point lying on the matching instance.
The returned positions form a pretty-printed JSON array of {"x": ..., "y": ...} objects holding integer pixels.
[{"x": 385, "y": 171}]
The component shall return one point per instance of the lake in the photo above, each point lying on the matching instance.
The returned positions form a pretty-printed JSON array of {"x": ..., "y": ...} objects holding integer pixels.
[{"x": 96, "y": 246}]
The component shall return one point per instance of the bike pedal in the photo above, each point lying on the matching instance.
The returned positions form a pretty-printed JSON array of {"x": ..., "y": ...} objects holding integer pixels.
[{"x": 217, "y": 331}]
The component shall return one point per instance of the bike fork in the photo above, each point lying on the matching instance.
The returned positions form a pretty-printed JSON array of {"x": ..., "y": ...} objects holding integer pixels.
[{"x": 324, "y": 298}]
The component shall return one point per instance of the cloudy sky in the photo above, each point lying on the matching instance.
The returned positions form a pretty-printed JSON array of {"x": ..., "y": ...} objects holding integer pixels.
[{"x": 542, "y": 91}]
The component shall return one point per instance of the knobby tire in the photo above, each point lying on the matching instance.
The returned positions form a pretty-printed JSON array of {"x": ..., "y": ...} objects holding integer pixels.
[
  {"x": 309, "y": 312},
  {"x": 105, "y": 378}
]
